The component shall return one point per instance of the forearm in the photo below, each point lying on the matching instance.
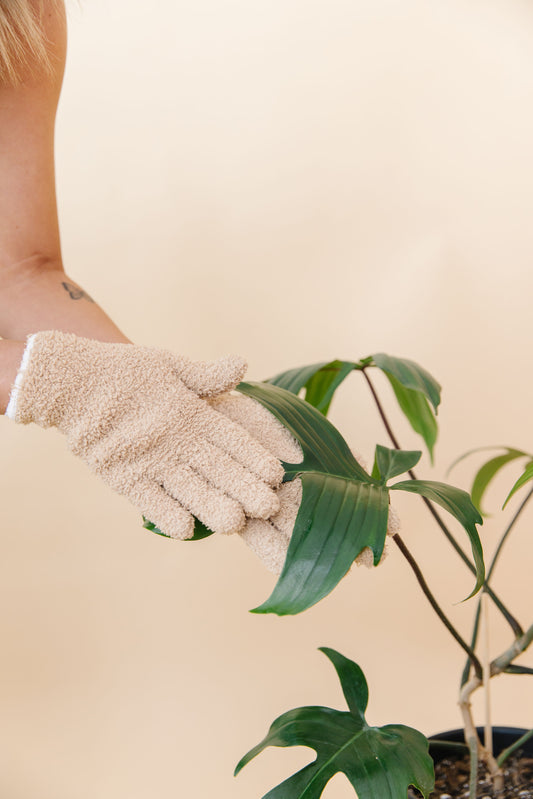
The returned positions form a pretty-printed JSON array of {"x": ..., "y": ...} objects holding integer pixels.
[
  {"x": 35, "y": 292},
  {"x": 40, "y": 296}
]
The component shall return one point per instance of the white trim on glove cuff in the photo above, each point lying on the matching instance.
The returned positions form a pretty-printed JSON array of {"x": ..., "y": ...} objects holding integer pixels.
[{"x": 11, "y": 409}]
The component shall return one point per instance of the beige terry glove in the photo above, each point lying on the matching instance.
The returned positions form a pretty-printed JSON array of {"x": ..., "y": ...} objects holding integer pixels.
[
  {"x": 270, "y": 539},
  {"x": 138, "y": 417}
]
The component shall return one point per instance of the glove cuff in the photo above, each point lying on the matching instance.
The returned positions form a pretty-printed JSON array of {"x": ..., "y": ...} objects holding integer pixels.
[
  {"x": 11, "y": 410},
  {"x": 48, "y": 380}
]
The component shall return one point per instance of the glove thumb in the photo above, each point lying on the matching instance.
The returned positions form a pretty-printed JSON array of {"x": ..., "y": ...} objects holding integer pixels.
[{"x": 210, "y": 378}]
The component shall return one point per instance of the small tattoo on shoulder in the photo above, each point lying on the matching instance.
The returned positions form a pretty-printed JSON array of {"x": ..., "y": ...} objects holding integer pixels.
[{"x": 75, "y": 293}]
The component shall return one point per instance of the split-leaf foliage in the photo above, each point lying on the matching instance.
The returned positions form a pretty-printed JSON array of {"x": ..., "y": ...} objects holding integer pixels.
[{"x": 378, "y": 761}]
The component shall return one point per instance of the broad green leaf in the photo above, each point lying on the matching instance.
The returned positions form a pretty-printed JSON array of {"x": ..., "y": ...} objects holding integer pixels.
[
  {"x": 343, "y": 510},
  {"x": 393, "y": 462},
  {"x": 417, "y": 411},
  {"x": 200, "y": 530},
  {"x": 378, "y": 761},
  {"x": 413, "y": 386},
  {"x": 410, "y": 375},
  {"x": 524, "y": 478},
  {"x": 336, "y": 520},
  {"x": 324, "y": 383},
  {"x": 324, "y": 448},
  {"x": 318, "y": 449},
  {"x": 320, "y": 380},
  {"x": 459, "y": 504},
  {"x": 294, "y": 380}
]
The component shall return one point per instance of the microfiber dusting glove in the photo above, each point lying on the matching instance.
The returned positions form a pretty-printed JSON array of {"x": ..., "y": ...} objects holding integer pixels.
[
  {"x": 140, "y": 418},
  {"x": 270, "y": 539}
]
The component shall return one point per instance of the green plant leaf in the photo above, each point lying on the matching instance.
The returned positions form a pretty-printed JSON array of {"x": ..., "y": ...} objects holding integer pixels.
[
  {"x": 502, "y": 757},
  {"x": 449, "y": 746},
  {"x": 459, "y": 504},
  {"x": 524, "y": 478},
  {"x": 514, "y": 669},
  {"x": 410, "y": 375},
  {"x": 378, "y": 761},
  {"x": 200, "y": 530},
  {"x": 392, "y": 462},
  {"x": 487, "y": 472},
  {"x": 324, "y": 383},
  {"x": 343, "y": 510},
  {"x": 414, "y": 389},
  {"x": 336, "y": 520},
  {"x": 418, "y": 413},
  {"x": 353, "y": 682},
  {"x": 325, "y": 450},
  {"x": 320, "y": 380},
  {"x": 294, "y": 380}
]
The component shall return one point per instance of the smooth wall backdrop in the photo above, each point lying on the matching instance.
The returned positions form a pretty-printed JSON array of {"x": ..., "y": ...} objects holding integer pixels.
[{"x": 293, "y": 181}]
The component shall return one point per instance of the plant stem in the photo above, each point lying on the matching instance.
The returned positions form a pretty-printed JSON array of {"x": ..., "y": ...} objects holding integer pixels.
[
  {"x": 475, "y": 629},
  {"x": 474, "y": 756},
  {"x": 466, "y": 711},
  {"x": 502, "y": 757},
  {"x": 477, "y": 751},
  {"x": 435, "y": 605},
  {"x": 468, "y": 665},
  {"x": 506, "y": 533},
  {"x": 381, "y": 411},
  {"x": 518, "y": 646},
  {"x": 513, "y": 623},
  {"x": 497, "y": 666},
  {"x": 485, "y": 609},
  {"x": 500, "y": 664}
]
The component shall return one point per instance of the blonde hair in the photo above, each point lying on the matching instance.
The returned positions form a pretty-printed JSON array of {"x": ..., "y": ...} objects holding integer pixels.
[{"x": 22, "y": 38}]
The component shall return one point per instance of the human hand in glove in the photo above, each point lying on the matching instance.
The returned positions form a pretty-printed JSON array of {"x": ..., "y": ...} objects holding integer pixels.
[
  {"x": 270, "y": 539},
  {"x": 140, "y": 419}
]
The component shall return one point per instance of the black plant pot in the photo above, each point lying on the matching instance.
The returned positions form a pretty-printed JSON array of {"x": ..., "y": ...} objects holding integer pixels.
[
  {"x": 502, "y": 738},
  {"x": 446, "y": 747}
]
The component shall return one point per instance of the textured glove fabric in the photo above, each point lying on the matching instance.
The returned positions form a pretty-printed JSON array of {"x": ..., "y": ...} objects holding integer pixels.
[
  {"x": 137, "y": 416},
  {"x": 270, "y": 539}
]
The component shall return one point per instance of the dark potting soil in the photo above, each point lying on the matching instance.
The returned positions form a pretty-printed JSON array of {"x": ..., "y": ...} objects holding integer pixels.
[{"x": 452, "y": 778}]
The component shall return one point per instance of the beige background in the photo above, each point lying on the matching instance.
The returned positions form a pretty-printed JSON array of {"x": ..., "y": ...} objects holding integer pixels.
[{"x": 294, "y": 181}]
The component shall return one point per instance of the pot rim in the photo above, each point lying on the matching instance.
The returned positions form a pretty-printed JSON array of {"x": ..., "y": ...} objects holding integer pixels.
[{"x": 502, "y": 738}]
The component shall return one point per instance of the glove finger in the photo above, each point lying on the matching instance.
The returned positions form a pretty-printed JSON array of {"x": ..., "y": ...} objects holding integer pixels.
[
  {"x": 365, "y": 558},
  {"x": 223, "y": 472},
  {"x": 212, "y": 507},
  {"x": 209, "y": 378},
  {"x": 394, "y": 523},
  {"x": 237, "y": 442},
  {"x": 269, "y": 544},
  {"x": 290, "y": 497},
  {"x": 161, "y": 509},
  {"x": 261, "y": 424}
]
